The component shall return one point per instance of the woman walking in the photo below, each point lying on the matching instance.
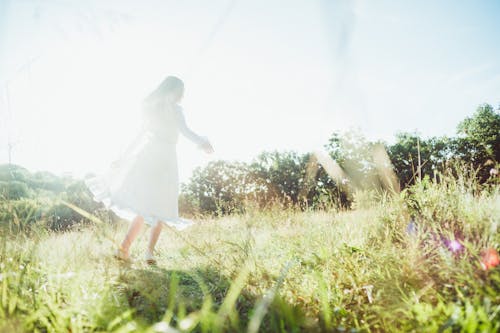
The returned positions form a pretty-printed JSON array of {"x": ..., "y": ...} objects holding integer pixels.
[{"x": 143, "y": 186}]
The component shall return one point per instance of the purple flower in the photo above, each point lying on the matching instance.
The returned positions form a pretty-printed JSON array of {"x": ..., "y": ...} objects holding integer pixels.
[
  {"x": 454, "y": 245},
  {"x": 411, "y": 228}
]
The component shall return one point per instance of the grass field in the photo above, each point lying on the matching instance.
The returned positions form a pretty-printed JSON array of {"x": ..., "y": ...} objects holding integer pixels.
[{"x": 385, "y": 266}]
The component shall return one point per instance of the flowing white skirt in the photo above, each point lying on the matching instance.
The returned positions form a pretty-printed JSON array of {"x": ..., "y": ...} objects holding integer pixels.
[{"x": 144, "y": 183}]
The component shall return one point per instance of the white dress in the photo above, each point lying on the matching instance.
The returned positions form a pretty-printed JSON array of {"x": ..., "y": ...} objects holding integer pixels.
[{"x": 145, "y": 180}]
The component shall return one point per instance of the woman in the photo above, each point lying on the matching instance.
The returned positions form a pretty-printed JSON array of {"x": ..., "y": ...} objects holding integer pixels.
[{"x": 142, "y": 185}]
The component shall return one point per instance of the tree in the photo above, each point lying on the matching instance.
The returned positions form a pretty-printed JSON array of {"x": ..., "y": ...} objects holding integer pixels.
[
  {"x": 287, "y": 178},
  {"x": 220, "y": 187},
  {"x": 354, "y": 153},
  {"x": 279, "y": 176},
  {"x": 434, "y": 152},
  {"x": 479, "y": 139}
]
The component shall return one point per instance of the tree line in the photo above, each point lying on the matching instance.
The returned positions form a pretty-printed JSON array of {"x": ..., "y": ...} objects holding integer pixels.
[{"x": 352, "y": 163}]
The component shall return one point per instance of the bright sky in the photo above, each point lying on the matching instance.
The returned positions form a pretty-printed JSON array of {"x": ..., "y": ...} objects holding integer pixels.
[{"x": 260, "y": 75}]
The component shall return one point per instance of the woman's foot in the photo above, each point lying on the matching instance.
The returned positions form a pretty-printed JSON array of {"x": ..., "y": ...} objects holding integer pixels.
[
  {"x": 150, "y": 259},
  {"x": 122, "y": 254}
]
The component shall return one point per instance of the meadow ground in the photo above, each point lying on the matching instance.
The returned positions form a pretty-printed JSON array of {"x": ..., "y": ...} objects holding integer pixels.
[{"x": 387, "y": 265}]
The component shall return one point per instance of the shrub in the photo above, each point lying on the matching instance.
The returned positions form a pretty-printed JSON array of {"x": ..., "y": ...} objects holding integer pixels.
[{"x": 14, "y": 190}]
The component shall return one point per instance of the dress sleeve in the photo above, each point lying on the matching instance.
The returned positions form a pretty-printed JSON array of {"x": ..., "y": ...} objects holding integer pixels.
[{"x": 186, "y": 131}]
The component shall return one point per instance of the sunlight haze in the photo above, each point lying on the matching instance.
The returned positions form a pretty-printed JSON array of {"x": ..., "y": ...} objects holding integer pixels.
[{"x": 259, "y": 75}]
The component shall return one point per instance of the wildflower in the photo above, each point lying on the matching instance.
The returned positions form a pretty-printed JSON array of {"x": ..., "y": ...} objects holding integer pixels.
[
  {"x": 489, "y": 259},
  {"x": 454, "y": 246},
  {"x": 411, "y": 228}
]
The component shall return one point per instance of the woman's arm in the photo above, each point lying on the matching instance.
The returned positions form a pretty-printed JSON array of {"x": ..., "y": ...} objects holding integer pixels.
[{"x": 187, "y": 132}]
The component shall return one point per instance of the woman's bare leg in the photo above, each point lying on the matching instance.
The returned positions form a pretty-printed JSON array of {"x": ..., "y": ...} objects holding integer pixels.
[
  {"x": 153, "y": 238},
  {"x": 133, "y": 232}
]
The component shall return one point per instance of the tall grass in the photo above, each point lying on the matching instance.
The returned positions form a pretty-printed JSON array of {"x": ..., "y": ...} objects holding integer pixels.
[{"x": 385, "y": 266}]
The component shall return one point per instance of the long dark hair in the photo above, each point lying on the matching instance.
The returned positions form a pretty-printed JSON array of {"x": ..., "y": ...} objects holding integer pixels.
[{"x": 169, "y": 84}]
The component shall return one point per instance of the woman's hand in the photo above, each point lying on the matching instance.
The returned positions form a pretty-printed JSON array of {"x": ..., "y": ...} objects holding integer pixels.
[{"x": 207, "y": 147}]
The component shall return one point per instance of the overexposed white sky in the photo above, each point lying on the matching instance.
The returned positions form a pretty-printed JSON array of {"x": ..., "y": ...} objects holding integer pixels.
[{"x": 260, "y": 75}]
